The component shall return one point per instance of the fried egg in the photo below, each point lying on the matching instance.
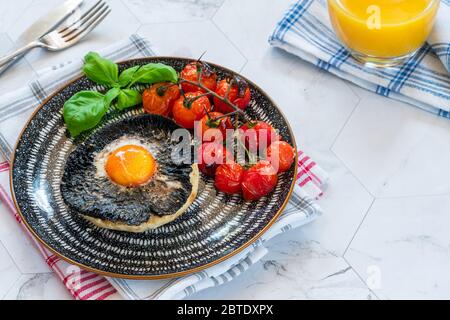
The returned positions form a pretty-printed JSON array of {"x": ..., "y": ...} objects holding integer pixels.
[
  {"x": 128, "y": 162},
  {"x": 124, "y": 178}
]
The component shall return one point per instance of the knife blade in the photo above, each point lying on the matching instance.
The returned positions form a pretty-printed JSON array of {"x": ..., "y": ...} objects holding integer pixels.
[
  {"x": 47, "y": 23},
  {"x": 44, "y": 25}
]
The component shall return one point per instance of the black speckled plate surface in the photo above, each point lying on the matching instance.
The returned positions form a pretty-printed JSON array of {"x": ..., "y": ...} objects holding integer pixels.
[{"x": 214, "y": 228}]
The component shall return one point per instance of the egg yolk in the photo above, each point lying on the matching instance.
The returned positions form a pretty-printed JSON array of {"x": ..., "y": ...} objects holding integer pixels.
[{"x": 130, "y": 166}]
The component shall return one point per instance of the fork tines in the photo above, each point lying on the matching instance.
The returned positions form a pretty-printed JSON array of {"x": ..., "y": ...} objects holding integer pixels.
[{"x": 87, "y": 21}]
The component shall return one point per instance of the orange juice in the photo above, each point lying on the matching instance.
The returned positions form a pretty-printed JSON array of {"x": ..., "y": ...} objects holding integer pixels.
[{"x": 383, "y": 29}]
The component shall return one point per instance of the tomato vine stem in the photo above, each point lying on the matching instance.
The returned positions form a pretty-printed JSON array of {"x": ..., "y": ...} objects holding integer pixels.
[{"x": 225, "y": 100}]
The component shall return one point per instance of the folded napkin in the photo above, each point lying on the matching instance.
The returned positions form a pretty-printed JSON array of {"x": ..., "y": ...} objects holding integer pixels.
[
  {"x": 81, "y": 284},
  {"x": 423, "y": 81},
  {"x": 16, "y": 107}
]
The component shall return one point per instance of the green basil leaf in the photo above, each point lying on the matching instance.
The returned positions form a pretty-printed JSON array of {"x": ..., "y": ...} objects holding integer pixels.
[
  {"x": 153, "y": 73},
  {"x": 128, "y": 98},
  {"x": 111, "y": 95},
  {"x": 83, "y": 111},
  {"x": 126, "y": 76},
  {"x": 100, "y": 70}
]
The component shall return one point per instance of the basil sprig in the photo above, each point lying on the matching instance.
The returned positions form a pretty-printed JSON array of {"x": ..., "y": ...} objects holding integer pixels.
[{"x": 84, "y": 110}]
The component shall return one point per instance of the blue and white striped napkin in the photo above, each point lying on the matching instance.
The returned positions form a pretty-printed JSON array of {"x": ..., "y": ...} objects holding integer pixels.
[{"x": 423, "y": 81}]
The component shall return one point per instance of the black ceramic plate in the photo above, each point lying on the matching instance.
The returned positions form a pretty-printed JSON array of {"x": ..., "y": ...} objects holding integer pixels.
[{"x": 214, "y": 228}]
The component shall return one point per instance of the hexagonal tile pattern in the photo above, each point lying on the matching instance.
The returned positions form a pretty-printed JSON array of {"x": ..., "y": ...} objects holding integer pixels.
[
  {"x": 119, "y": 24},
  {"x": 191, "y": 39},
  {"x": 8, "y": 271},
  {"x": 163, "y": 11},
  {"x": 403, "y": 248},
  {"x": 44, "y": 286},
  {"x": 294, "y": 268},
  {"x": 391, "y": 147},
  {"x": 247, "y": 28},
  {"x": 21, "y": 72}
]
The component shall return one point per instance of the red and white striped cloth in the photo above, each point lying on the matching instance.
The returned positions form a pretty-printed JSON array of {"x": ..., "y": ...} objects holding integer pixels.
[
  {"x": 81, "y": 284},
  {"x": 310, "y": 176},
  {"x": 4, "y": 166},
  {"x": 85, "y": 285}
]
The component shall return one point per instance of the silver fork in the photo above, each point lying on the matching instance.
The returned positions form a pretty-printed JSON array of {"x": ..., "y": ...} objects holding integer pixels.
[{"x": 66, "y": 36}]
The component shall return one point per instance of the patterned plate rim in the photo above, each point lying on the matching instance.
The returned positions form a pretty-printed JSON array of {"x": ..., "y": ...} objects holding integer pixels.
[{"x": 162, "y": 276}]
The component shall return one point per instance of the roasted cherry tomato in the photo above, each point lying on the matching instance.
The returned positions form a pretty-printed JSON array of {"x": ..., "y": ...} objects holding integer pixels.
[
  {"x": 229, "y": 177},
  {"x": 210, "y": 127},
  {"x": 259, "y": 181},
  {"x": 186, "y": 110},
  {"x": 159, "y": 98},
  {"x": 210, "y": 156},
  {"x": 238, "y": 95},
  {"x": 281, "y": 155},
  {"x": 258, "y": 131},
  {"x": 209, "y": 78}
]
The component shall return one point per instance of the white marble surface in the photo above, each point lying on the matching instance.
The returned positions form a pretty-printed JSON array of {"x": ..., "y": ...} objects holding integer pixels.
[{"x": 385, "y": 231}]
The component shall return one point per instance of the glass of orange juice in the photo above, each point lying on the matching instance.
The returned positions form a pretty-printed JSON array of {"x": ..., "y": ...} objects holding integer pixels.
[{"x": 383, "y": 32}]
